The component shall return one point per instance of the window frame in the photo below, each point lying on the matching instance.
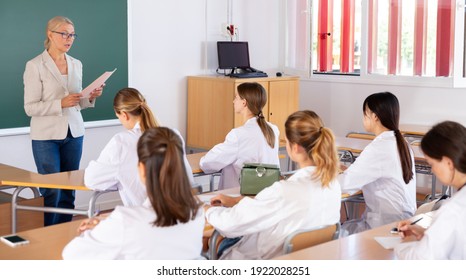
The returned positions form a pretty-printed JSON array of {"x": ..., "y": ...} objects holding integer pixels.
[{"x": 456, "y": 80}]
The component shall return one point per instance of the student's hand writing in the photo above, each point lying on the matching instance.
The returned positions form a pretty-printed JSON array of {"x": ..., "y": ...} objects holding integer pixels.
[
  {"x": 96, "y": 93},
  {"x": 70, "y": 100},
  {"x": 224, "y": 200},
  {"x": 405, "y": 229}
]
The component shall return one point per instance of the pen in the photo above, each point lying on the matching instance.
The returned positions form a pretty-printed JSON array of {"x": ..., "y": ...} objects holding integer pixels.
[{"x": 395, "y": 229}]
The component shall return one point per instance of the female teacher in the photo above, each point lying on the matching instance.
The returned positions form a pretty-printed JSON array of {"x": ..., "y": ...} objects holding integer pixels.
[{"x": 52, "y": 86}]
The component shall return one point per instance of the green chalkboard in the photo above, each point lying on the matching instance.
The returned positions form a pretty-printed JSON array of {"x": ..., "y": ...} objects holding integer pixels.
[{"x": 102, "y": 45}]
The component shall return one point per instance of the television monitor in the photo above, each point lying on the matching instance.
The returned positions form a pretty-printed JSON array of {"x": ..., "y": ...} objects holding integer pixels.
[{"x": 232, "y": 54}]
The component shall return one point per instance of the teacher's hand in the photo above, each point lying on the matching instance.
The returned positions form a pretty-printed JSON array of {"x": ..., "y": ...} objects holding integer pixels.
[
  {"x": 70, "y": 100},
  {"x": 96, "y": 93}
]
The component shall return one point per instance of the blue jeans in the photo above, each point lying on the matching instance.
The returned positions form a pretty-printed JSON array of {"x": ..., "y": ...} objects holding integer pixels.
[{"x": 52, "y": 156}]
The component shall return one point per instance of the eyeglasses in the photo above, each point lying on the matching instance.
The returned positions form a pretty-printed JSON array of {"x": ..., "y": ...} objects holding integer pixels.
[{"x": 66, "y": 35}]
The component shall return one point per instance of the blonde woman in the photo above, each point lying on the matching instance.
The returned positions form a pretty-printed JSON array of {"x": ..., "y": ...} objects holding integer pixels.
[
  {"x": 116, "y": 166},
  {"x": 256, "y": 228},
  {"x": 52, "y": 86}
]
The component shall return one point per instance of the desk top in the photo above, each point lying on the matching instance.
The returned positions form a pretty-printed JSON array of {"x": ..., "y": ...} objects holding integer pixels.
[
  {"x": 193, "y": 160},
  {"x": 13, "y": 176},
  {"x": 354, "y": 145},
  {"x": 45, "y": 243},
  {"x": 11, "y": 173},
  {"x": 414, "y": 129},
  {"x": 418, "y": 154},
  {"x": 357, "y": 146},
  {"x": 71, "y": 180},
  {"x": 359, "y": 246}
]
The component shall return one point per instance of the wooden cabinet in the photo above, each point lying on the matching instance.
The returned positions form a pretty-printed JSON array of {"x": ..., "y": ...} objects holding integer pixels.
[{"x": 210, "y": 106}]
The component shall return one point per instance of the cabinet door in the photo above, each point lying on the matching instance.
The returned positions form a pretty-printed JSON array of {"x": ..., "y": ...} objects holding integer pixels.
[
  {"x": 283, "y": 101},
  {"x": 265, "y": 111},
  {"x": 210, "y": 112}
]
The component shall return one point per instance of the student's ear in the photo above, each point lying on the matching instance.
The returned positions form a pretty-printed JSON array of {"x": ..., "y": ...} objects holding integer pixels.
[
  {"x": 374, "y": 117},
  {"x": 125, "y": 116},
  {"x": 296, "y": 148},
  {"x": 142, "y": 172},
  {"x": 448, "y": 162}
]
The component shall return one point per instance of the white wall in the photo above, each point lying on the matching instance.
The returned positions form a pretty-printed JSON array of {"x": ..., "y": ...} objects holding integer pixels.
[{"x": 340, "y": 104}]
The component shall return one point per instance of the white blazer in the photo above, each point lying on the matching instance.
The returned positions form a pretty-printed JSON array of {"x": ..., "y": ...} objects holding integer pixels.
[
  {"x": 128, "y": 233},
  {"x": 44, "y": 87},
  {"x": 117, "y": 168},
  {"x": 377, "y": 172},
  {"x": 266, "y": 220},
  {"x": 242, "y": 144},
  {"x": 445, "y": 239}
]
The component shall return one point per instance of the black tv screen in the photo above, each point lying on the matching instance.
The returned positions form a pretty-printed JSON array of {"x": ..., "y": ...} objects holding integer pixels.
[{"x": 232, "y": 54}]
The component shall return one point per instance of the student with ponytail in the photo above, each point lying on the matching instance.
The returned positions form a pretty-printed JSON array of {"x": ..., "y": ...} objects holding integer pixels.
[
  {"x": 168, "y": 225},
  {"x": 255, "y": 141},
  {"x": 116, "y": 166},
  {"x": 384, "y": 171},
  {"x": 309, "y": 198}
]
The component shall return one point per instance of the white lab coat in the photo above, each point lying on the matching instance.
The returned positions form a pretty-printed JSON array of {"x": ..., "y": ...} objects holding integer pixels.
[
  {"x": 128, "y": 233},
  {"x": 242, "y": 144},
  {"x": 117, "y": 168},
  {"x": 446, "y": 236},
  {"x": 266, "y": 220},
  {"x": 377, "y": 172}
]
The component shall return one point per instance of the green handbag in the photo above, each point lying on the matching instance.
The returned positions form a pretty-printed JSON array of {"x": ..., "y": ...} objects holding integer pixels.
[{"x": 257, "y": 176}]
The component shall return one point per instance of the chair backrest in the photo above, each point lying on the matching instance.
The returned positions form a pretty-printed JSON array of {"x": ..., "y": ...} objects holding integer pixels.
[
  {"x": 360, "y": 135},
  {"x": 302, "y": 239}
]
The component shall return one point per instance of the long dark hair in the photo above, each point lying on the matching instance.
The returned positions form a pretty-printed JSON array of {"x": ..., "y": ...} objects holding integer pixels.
[
  {"x": 446, "y": 139},
  {"x": 256, "y": 98},
  {"x": 386, "y": 107},
  {"x": 168, "y": 186},
  {"x": 306, "y": 129}
]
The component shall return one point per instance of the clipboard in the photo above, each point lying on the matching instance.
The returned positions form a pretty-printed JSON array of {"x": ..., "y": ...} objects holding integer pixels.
[{"x": 97, "y": 83}]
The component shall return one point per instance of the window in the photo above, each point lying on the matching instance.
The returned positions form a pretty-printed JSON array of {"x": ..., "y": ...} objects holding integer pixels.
[
  {"x": 414, "y": 38},
  {"x": 336, "y": 36},
  {"x": 377, "y": 38},
  {"x": 297, "y": 37}
]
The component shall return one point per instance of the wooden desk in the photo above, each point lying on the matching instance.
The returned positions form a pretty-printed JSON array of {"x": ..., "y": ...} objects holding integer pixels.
[
  {"x": 194, "y": 160},
  {"x": 354, "y": 145},
  {"x": 359, "y": 246},
  {"x": 414, "y": 129},
  {"x": 22, "y": 179},
  {"x": 236, "y": 192},
  {"x": 45, "y": 243}
]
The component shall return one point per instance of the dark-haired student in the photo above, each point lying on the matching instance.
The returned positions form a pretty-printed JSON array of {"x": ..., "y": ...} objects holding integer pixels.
[
  {"x": 384, "y": 171},
  {"x": 444, "y": 147},
  {"x": 169, "y": 224},
  {"x": 255, "y": 141},
  {"x": 308, "y": 199}
]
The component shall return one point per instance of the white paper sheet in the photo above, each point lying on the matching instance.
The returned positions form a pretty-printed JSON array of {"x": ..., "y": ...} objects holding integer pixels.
[
  {"x": 388, "y": 242},
  {"x": 207, "y": 197},
  {"x": 97, "y": 83}
]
